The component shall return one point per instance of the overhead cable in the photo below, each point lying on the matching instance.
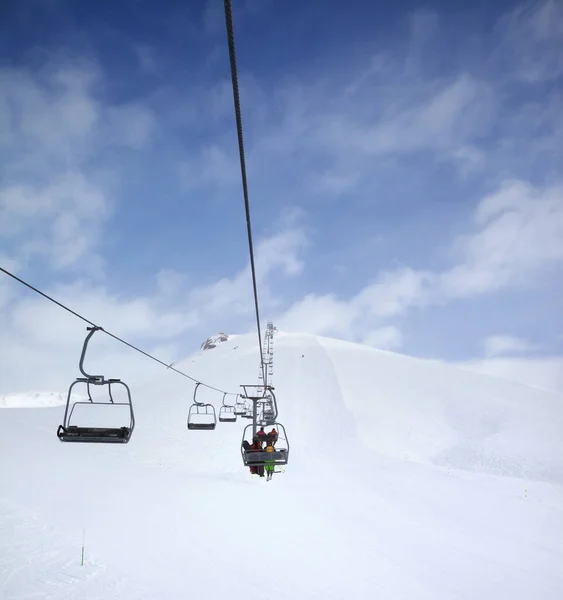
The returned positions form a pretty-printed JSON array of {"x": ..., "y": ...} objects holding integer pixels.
[{"x": 238, "y": 115}]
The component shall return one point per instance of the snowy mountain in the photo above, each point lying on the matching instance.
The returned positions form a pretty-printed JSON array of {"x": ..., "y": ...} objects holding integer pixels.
[
  {"x": 214, "y": 341},
  {"x": 407, "y": 479}
]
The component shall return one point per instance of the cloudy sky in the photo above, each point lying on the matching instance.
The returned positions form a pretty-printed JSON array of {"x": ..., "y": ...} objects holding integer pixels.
[{"x": 405, "y": 165}]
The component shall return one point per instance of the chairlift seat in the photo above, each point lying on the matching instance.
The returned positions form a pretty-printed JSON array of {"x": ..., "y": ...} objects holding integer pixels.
[
  {"x": 227, "y": 414},
  {"x": 118, "y": 435},
  {"x": 202, "y": 426},
  {"x": 228, "y": 418},
  {"x": 257, "y": 457},
  {"x": 205, "y": 412}
]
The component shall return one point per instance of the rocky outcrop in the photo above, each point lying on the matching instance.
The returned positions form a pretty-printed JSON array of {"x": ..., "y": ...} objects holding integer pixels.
[{"x": 214, "y": 341}]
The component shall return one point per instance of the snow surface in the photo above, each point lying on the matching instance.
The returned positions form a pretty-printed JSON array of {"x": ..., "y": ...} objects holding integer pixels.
[
  {"x": 32, "y": 400},
  {"x": 408, "y": 479}
]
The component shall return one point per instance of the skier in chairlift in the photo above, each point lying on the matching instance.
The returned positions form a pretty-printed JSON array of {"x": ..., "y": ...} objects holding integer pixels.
[
  {"x": 269, "y": 464},
  {"x": 262, "y": 435},
  {"x": 257, "y": 447},
  {"x": 273, "y": 437}
]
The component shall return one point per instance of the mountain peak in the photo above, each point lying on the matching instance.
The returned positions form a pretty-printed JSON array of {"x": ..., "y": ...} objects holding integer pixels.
[{"x": 214, "y": 341}]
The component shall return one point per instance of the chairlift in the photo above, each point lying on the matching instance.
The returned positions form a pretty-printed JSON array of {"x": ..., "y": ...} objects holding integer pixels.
[
  {"x": 256, "y": 458},
  {"x": 270, "y": 411},
  {"x": 227, "y": 412},
  {"x": 268, "y": 415},
  {"x": 240, "y": 407},
  {"x": 68, "y": 432},
  {"x": 248, "y": 409},
  {"x": 201, "y": 415}
]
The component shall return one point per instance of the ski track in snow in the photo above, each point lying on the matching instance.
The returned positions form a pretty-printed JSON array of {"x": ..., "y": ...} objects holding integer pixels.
[{"x": 376, "y": 499}]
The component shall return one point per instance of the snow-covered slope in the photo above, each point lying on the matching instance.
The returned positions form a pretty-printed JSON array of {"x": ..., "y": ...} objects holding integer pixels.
[
  {"x": 407, "y": 479},
  {"x": 32, "y": 400}
]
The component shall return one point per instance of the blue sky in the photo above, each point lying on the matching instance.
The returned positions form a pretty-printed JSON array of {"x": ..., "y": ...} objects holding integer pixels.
[{"x": 404, "y": 168}]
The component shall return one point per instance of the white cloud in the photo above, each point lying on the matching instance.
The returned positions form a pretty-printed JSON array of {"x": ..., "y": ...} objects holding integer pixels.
[
  {"x": 334, "y": 182},
  {"x": 279, "y": 253},
  {"x": 334, "y": 129},
  {"x": 321, "y": 315},
  {"x": 530, "y": 37},
  {"x": 440, "y": 116},
  {"x": 442, "y": 120},
  {"x": 424, "y": 25},
  {"x": 334, "y": 142},
  {"x": 32, "y": 327},
  {"x": 60, "y": 221},
  {"x": 496, "y": 345},
  {"x": 386, "y": 338},
  {"x": 519, "y": 231},
  {"x": 41, "y": 321},
  {"x": 170, "y": 283},
  {"x": 394, "y": 292},
  {"x": 54, "y": 123},
  {"x": 470, "y": 158},
  {"x": 146, "y": 56},
  {"x": 389, "y": 296},
  {"x": 544, "y": 372},
  {"x": 213, "y": 17},
  {"x": 56, "y": 118},
  {"x": 214, "y": 166},
  {"x": 131, "y": 125},
  {"x": 49, "y": 117}
]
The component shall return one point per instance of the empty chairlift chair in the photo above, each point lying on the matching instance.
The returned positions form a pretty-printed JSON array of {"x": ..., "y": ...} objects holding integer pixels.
[
  {"x": 201, "y": 415},
  {"x": 270, "y": 408},
  {"x": 240, "y": 408},
  {"x": 248, "y": 413},
  {"x": 70, "y": 432},
  {"x": 268, "y": 414},
  {"x": 227, "y": 413}
]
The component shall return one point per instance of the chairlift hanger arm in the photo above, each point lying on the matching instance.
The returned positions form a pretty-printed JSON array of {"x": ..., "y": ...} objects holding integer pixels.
[
  {"x": 195, "y": 392},
  {"x": 98, "y": 378}
]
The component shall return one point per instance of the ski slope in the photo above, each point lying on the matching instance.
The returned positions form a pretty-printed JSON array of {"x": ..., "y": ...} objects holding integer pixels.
[{"x": 408, "y": 479}]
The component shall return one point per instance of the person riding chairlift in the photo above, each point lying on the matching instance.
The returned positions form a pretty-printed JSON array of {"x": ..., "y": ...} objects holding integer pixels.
[
  {"x": 262, "y": 435},
  {"x": 256, "y": 446},
  {"x": 273, "y": 436},
  {"x": 269, "y": 464}
]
